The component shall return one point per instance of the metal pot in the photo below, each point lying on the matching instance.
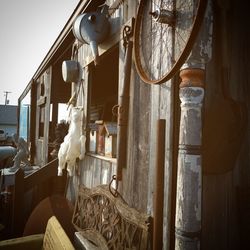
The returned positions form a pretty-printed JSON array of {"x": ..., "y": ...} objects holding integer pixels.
[{"x": 71, "y": 71}]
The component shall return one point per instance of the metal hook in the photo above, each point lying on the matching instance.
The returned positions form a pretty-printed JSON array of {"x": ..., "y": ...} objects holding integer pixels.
[
  {"x": 115, "y": 193},
  {"x": 115, "y": 110}
]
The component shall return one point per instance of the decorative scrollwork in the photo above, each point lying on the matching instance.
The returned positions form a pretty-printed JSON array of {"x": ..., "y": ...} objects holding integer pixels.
[{"x": 120, "y": 225}]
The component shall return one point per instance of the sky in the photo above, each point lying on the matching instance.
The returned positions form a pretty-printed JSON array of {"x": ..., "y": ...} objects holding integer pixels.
[{"x": 28, "y": 29}]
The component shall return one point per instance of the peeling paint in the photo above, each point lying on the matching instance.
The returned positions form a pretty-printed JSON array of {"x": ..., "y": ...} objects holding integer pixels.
[
  {"x": 191, "y": 95},
  {"x": 188, "y": 206},
  {"x": 189, "y": 176}
]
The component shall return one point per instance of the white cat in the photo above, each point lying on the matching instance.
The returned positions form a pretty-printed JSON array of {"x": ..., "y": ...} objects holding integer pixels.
[{"x": 73, "y": 146}]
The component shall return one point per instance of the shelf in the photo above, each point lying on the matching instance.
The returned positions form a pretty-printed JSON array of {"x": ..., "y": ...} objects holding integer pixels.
[{"x": 104, "y": 158}]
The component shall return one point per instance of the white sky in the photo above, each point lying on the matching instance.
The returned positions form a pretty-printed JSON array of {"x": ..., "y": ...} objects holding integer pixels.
[{"x": 28, "y": 28}]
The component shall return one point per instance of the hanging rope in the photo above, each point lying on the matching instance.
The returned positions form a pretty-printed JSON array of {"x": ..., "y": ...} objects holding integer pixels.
[
  {"x": 75, "y": 48},
  {"x": 74, "y": 97},
  {"x": 115, "y": 6},
  {"x": 79, "y": 88}
]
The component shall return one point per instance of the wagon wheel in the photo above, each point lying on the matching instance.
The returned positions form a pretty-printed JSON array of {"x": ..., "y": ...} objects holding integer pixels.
[{"x": 165, "y": 31}]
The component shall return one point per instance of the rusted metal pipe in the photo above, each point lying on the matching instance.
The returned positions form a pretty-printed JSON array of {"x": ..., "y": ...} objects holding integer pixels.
[
  {"x": 159, "y": 186},
  {"x": 122, "y": 120}
]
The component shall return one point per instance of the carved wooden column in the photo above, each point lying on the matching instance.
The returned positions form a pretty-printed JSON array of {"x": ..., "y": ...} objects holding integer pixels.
[
  {"x": 189, "y": 174},
  {"x": 189, "y": 180}
]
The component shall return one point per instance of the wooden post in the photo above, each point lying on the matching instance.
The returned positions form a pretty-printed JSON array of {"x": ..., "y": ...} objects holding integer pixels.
[
  {"x": 159, "y": 187},
  {"x": 189, "y": 173},
  {"x": 189, "y": 176}
]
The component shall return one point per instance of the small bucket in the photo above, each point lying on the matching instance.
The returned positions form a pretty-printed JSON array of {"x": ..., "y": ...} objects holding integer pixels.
[{"x": 71, "y": 71}]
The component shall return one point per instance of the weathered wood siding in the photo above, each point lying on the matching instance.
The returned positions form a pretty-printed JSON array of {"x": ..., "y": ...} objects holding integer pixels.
[
  {"x": 220, "y": 217},
  {"x": 97, "y": 171},
  {"x": 225, "y": 218},
  {"x": 147, "y": 104}
]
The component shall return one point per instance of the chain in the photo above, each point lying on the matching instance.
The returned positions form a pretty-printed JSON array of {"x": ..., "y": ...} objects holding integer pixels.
[{"x": 126, "y": 34}]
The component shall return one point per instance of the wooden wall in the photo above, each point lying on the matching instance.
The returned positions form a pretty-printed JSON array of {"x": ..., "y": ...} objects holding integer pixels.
[
  {"x": 225, "y": 218},
  {"x": 147, "y": 105},
  {"x": 221, "y": 228}
]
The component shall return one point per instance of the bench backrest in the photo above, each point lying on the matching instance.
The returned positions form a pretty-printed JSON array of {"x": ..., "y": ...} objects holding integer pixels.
[{"x": 110, "y": 218}]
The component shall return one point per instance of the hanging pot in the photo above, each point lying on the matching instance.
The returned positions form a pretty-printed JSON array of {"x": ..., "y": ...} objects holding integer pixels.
[{"x": 71, "y": 71}]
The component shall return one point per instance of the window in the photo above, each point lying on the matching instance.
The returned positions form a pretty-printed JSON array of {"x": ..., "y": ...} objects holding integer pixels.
[
  {"x": 24, "y": 117},
  {"x": 103, "y": 96}
]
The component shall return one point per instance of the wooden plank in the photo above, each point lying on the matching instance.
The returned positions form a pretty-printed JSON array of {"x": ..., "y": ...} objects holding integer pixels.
[
  {"x": 219, "y": 213},
  {"x": 55, "y": 237},
  {"x": 138, "y": 157},
  {"x": 39, "y": 152},
  {"x": 159, "y": 186},
  {"x": 33, "y": 122},
  {"x": 166, "y": 111},
  {"x": 43, "y": 174},
  {"x": 95, "y": 171},
  {"x": 47, "y": 82},
  {"x": 154, "y": 116},
  {"x": 17, "y": 221},
  {"x": 96, "y": 177},
  {"x": 105, "y": 174},
  {"x": 41, "y": 101}
]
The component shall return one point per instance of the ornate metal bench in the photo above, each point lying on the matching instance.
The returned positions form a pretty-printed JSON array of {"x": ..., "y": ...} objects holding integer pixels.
[{"x": 108, "y": 222}]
